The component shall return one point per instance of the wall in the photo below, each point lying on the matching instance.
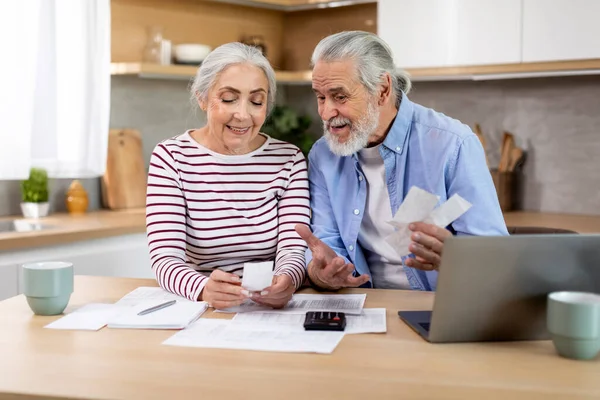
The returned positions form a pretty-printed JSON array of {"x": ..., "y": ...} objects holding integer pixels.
[
  {"x": 556, "y": 120},
  {"x": 158, "y": 108}
]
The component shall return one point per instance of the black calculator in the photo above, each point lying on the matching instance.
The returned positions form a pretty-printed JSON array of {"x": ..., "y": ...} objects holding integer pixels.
[{"x": 325, "y": 321}]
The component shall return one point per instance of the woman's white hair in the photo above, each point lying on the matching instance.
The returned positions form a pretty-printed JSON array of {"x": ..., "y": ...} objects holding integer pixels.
[
  {"x": 373, "y": 58},
  {"x": 225, "y": 56}
]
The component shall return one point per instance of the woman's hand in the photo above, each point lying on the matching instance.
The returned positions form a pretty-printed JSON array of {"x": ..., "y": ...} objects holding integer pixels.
[
  {"x": 278, "y": 294},
  {"x": 223, "y": 290}
]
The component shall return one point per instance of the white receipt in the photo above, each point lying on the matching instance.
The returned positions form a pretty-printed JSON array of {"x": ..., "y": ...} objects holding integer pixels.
[
  {"x": 90, "y": 317},
  {"x": 301, "y": 303},
  {"x": 419, "y": 205},
  {"x": 257, "y": 276},
  {"x": 371, "y": 320},
  {"x": 224, "y": 334}
]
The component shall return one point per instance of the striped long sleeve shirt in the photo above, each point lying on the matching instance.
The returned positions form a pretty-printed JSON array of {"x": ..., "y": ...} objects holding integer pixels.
[{"x": 207, "y": 211}]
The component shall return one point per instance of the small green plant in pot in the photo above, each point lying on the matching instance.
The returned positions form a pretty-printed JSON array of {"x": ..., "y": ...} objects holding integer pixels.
[
  {"x": 285, "y": 124},
  {"x": 34, "y": 193}
]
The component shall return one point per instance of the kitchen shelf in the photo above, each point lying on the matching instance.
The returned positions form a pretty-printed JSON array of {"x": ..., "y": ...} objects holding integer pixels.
[
  {"x": 295, "y": 5},
  {"x": 186, "y": 72},
  {"x": 467, "y": 73}
]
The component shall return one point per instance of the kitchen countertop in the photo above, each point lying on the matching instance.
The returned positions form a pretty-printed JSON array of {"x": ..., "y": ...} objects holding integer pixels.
[
  {"x": 105, "y": 223},
  {"x": 66, "y": 228},
  {"x": 576, "y": 222}
]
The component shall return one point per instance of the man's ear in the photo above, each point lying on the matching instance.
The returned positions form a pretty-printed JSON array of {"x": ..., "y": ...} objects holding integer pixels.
[{"x": 385, "y": 89}]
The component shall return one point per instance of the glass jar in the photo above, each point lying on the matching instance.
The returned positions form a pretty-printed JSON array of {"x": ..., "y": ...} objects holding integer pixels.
[{"x": 153, "y": 48}]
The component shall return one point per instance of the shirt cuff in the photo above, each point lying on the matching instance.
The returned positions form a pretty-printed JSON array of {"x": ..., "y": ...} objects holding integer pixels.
[{"x": 194, "y": 294}]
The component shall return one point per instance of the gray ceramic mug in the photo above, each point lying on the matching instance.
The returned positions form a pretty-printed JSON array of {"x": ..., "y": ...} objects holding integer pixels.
[
  {"x": 573, "y": 320},
  {"x": 48, "y": 286}
]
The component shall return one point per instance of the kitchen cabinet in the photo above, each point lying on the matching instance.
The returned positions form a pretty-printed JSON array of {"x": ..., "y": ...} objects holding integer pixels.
[
  {"x": 442, "y": 33},
  {"x": 560, "y": 30},
  {"x": 120, "y": 256}
]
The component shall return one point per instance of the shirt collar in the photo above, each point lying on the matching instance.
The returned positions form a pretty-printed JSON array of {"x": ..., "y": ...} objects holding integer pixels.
[{"x": 396, "y": 137}]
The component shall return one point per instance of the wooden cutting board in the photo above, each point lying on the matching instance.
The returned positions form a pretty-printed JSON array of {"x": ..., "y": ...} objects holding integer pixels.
[{"x": 124, "y": 182}]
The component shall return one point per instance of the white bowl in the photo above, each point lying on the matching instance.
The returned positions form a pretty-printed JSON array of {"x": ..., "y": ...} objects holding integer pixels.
[{"x": 191, "y": 53}]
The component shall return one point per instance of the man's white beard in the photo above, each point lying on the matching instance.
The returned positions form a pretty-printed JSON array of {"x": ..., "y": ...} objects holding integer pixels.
[{"x": 359, "y": 132}]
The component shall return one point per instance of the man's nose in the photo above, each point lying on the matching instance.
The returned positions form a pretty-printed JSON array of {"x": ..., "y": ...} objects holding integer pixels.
[{"x": 327, "y": 111}]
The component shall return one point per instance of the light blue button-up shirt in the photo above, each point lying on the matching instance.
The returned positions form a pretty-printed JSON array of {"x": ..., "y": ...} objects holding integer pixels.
[{"x": 423, "y": 148}]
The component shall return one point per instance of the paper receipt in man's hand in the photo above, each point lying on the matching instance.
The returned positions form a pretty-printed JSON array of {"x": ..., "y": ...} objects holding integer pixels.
[{"x": 419, "y": 205}]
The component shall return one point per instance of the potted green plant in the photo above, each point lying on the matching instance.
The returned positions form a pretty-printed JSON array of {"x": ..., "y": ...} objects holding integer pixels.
[
  {"x": 34, "y": 193},
  {"x": 285, "y": 124}
]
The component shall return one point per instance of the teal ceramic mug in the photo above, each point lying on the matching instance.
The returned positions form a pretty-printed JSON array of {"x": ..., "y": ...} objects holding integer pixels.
[
  {"x": 47, "y": 286},
  {"x": 573, "y": 320}
]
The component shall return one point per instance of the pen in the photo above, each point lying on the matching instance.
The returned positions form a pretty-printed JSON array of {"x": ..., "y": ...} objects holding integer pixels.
[{"x": 158, "y": 307}]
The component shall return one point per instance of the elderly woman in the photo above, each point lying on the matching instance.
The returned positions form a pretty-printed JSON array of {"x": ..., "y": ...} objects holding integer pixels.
[{"x": 226, "y": 194}]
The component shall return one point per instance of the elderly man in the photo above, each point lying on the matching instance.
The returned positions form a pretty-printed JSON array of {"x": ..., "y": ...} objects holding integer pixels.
[{"x": 377, "y": 144}]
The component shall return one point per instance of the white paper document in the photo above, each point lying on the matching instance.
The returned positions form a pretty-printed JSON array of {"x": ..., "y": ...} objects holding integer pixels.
[
  {"x": 257, "y": 276},
  {"x": 177, "y": 316},
  {"x": 90, "y": 317},
  {"x": 301, "y": 303},
  {"x": 224, "y": 334},
  {"x": 371, "y": 320},
  {"x": 143, "y": 294},
  {"x": 419, "y": 205}
]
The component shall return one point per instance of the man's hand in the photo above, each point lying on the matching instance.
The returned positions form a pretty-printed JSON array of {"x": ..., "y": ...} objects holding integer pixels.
[
  {"x": 278, "y": 294},
  {"x": 327, "y": 269},
  {"x": 428, "y": 245}
]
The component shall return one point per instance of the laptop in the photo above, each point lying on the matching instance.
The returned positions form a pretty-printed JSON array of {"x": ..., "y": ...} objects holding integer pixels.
[{"x": 494, "y": 288}]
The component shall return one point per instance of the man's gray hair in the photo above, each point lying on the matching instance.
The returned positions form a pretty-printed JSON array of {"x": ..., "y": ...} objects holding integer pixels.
[
  {"x": 373, "y": 58},
  {"x": 225, "y": 56}
]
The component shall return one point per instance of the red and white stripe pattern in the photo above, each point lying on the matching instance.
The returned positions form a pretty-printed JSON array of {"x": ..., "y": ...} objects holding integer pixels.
[{"x": 207, "y": 211}]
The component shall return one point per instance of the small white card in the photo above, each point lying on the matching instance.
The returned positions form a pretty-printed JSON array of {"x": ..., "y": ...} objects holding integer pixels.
[
  {"x": 257, "y": 276},
  {"x": 90, "y": 317}
]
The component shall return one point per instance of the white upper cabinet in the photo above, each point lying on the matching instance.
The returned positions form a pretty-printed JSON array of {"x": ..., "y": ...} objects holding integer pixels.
[
  {"x": 561, "y": 30},
  {"x": 442, "y": 33}
]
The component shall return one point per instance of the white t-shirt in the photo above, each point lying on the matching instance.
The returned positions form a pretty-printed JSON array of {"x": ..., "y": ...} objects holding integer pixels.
[{"x": 384, "y": 262}]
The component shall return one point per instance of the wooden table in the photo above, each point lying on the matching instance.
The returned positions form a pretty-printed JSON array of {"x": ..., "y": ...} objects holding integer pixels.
[{"x": 119, "y": 364}]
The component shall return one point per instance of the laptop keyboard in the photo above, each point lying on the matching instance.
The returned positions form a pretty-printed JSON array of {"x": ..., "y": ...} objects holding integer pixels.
[{"x": 425, "y": 325}]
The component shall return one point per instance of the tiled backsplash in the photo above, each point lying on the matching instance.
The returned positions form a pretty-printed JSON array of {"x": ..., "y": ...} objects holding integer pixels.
[{"x": 556, "y": 120}]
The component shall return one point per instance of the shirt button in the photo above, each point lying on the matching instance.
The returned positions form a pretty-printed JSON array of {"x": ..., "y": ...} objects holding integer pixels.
[
  {"x": 350, "y": 247},
  {"x": 360, "y": 178},
  {"x": 356, "y": 211},
  {"x": 398, "y": 148}
]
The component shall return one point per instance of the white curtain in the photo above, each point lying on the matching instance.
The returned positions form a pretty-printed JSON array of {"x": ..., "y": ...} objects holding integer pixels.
[{"x": 54, "y": 87}]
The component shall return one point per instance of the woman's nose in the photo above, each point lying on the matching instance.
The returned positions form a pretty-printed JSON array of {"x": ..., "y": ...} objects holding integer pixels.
[{"x": 241, "y": 111}]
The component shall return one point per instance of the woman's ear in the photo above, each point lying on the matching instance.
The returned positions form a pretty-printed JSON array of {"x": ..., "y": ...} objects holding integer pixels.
[{"x": 201, "y": 103}]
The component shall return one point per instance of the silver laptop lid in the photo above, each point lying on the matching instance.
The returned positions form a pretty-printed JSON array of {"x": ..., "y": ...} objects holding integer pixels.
[{"x": 495, "y": 287}]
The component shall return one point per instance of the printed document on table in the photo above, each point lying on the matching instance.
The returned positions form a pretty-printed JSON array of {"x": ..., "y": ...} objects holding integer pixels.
[
  {"x": 301, "y": 303},
  {"x": 224, "y": 334},
  {"x": 371, "y": 320},
  {"x": 90, "y": 317}
]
